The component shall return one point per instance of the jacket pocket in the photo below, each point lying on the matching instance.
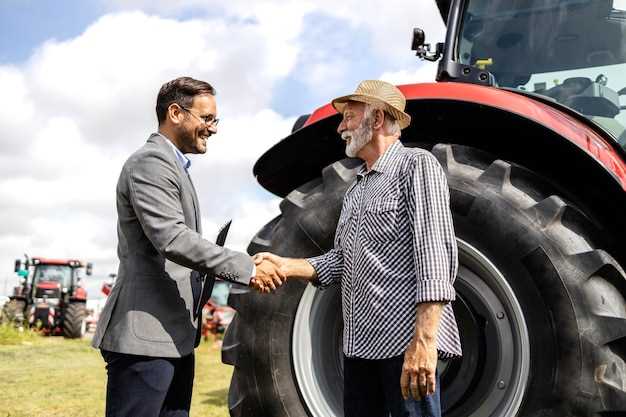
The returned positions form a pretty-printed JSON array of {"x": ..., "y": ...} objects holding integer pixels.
[
  {"x": 380, "y": 220},
  {"x": 160, "y": 314}
]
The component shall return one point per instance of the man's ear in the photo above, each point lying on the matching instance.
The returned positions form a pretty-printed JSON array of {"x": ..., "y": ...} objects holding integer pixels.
[
  {"x": 379, "y": 119},
  {"x": 175, "y": 114}
]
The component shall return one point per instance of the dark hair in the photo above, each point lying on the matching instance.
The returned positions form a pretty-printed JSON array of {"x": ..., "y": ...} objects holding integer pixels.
[{"x": 181, "y": 91}]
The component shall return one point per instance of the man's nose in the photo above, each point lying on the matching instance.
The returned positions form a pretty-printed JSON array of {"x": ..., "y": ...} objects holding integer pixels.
[{"x": 342, "y": 127}]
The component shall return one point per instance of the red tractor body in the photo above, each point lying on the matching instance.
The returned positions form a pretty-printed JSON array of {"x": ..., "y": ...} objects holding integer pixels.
[{"x": 560, "y": 119}]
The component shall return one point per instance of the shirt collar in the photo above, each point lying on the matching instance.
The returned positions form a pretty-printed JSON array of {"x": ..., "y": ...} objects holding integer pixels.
[
  {"x": 385, "y": 161},
  {"x": 184, "y": 161}
]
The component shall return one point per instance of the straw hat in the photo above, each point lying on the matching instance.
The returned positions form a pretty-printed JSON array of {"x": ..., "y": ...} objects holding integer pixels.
[{"x": 381, "y": 93}]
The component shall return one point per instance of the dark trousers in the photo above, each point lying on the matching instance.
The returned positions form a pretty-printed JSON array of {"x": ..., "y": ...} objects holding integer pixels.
[
  {"x": 144, "y": 386},
  {"x": 372, "y": 389}
]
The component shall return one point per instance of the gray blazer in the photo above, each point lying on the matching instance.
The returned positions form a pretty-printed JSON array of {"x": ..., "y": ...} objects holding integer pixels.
[{"x": 166, "y": 269}]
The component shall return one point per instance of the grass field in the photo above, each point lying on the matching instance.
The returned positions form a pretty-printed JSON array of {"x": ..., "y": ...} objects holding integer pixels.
[{"x": 55, "y": 377}]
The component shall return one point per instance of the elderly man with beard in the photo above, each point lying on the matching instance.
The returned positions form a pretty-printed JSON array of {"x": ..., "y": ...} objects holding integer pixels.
[{"x": 395, "y": 256}]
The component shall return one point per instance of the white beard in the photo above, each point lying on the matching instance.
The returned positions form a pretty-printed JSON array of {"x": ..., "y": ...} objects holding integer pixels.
[{"x": 359, "y": 137}]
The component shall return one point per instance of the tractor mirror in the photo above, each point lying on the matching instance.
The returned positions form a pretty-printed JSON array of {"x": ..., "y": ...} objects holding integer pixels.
[
  {"x": 18, "y": 265},
  {"x": 89, "y": 269},
  {"x": 418, "y": 39},
  {"x": 422, "y": 50}
]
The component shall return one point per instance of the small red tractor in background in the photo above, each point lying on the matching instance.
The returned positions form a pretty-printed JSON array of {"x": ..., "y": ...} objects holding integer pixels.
[
  {"x": 50, "y": 296},
  {"x": 216, "y": 314},
  {"x": 108, "y": 285}
]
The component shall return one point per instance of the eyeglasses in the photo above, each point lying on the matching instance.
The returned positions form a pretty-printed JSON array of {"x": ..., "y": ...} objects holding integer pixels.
[{"x": 209, "y": 120}]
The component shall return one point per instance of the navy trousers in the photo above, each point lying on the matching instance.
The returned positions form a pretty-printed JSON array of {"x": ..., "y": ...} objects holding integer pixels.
[
  {"x": 372, "y": 389},
  {"x": 144, "y": 386}
]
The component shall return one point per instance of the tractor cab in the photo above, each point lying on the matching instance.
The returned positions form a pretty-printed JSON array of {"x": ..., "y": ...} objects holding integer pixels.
[
  {"x": 571, "y": 53},
  {"x": 52, "y": 279}
]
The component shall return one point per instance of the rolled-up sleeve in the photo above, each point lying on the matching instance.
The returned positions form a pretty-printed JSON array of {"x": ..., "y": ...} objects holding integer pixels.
[
  {"x": 434, "y": 243},
  {"x": 328, "y": 267}
]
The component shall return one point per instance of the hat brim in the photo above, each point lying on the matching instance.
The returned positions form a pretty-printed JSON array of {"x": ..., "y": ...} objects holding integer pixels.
[{"x": 404, "y": 120}]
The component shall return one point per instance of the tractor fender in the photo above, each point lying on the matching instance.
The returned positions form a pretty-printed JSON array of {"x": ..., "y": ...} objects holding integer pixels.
[
  {"x": 80, "y": 294},
  {"x": 318, "y": 140}
]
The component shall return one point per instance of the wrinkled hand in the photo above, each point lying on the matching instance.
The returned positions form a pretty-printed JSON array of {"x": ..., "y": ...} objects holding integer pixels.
[
  {"x": 418, "y": 377},
  {"x": 268, "y": 276},
  {"x": 267, "y": 256}
]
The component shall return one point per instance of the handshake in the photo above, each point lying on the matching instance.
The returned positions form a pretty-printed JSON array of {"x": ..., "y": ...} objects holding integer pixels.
[{"x": 270, "y": 272}]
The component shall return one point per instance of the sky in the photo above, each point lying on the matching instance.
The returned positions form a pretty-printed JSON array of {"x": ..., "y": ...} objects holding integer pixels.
[{"x": 78, "y": 84}]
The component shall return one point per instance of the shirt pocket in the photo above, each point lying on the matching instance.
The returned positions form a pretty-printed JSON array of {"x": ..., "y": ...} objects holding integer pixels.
[
  {"x": 343, "y": 227},
  {"x": 380, "y": 220}
]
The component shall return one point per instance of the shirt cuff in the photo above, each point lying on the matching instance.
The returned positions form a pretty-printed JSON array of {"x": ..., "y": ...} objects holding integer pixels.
[
  {"x": 434, "y": 290},
  {"x": 323, "y": 269}
]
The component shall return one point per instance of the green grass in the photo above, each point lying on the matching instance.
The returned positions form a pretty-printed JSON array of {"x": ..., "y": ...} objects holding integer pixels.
[
  {"x": 9, "y": 335},
  {"x": 56, "y": 377}
]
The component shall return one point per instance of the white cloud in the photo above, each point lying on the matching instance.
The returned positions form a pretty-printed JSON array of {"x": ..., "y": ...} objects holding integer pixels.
[
  {"x": 77, "y": 109},
  {"x": 424, "y": 74},
  {"x": 388, "y": 28},
  {"x": 247, "y": 218},
  {"x": 390, "y": 24}
]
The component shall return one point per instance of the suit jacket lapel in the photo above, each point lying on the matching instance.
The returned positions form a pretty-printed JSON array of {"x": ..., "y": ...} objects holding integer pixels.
[
  {"x": 196, "y": 204},
  {"x": 162, "y": 141},
  {"x": 199, "y": 287}
]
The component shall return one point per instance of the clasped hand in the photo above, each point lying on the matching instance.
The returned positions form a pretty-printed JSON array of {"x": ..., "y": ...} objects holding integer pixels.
[{"x": 269, "y": 275}]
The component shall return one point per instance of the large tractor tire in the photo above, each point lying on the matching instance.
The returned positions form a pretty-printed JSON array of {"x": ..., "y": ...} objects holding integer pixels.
[
  {"x": 13, "y": 313},
  {"x": 541, "y": 307},
  {"x": 74, "y": 320}
]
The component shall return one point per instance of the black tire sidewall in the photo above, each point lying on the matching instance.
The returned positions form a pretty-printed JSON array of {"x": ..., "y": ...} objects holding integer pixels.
[
  {"x": 502, "y": 233},
  {"x": 73, "y": 316}
]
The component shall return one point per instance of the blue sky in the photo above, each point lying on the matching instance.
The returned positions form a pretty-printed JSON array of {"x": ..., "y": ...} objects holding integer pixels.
[
  {"x": 25, "y": 24},
  {"x": 79, "y": 80}
]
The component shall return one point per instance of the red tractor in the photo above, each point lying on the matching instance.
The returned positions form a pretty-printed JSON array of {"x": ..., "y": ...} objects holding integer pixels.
[
  {"x": 50, "y": 296},
  {"x": 527, "y": 121},
  {"x": 216, "y": 314}
]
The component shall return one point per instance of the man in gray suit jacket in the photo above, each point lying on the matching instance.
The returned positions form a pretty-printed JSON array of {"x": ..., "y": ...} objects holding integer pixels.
[{"x": 150, "y": 324}]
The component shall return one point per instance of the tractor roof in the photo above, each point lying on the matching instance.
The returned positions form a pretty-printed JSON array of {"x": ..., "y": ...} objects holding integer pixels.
[{"x": 75, "y": 263}]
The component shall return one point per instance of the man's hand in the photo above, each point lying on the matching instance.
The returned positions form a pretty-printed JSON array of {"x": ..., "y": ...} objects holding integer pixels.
[
  {"x": 287, "y": 268},
  {"x": 419, "y": 371},
  {"x": 268, "y": 276},
  {"x": 418, "y": 377},
  {"x": 267, "y": 256}
]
